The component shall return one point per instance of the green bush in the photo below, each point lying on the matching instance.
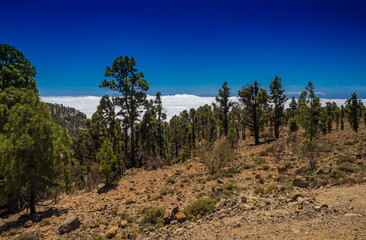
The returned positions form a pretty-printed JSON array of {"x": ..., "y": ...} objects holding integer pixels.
[
  {"x": 265, "y": 167},
  {"x": 337, "y": 174},
  {"x": 247, "y": 166},
  {"x": 262, "y": 190},
  {"x": 124, "y": 215},
  {"x": 165, "y": 191},
  {"x": 270, "y": 189},
  {"x": 130, "y": 219},
  {"x": 345, "y": 168},
  {"x": 45, "y": 221},
  {"x": 201, "y": 206},
  {"x": 31, "y": 236},
  {"x": 11, "y": 232},
  {"x": 345, "y": 159},
  {"x": 259, "y": 190},
  {"x": 170, "y": 180},
  {"x": 153, "y": 215},
  {"x": 259, "y": 161},
  {"x": 351, "y": 142}
]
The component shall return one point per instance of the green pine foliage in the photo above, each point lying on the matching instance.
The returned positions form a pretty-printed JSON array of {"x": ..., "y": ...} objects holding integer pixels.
[
  {"x": 278, "y": 99},
  {"x": 255, "y": 100},
  {"x": 34, "y": 151},
  {"x": 106, "y": 158}
]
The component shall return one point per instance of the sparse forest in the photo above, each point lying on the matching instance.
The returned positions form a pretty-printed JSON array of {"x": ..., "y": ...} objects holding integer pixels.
[{"x": 40, "y": 160}]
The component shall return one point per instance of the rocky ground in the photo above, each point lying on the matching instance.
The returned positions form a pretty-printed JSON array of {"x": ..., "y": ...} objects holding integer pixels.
[{"x": 263, "y": 195}]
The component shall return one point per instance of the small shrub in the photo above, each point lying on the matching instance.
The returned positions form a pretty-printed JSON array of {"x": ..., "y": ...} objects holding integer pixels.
[
  {"x": 129, "y": 201},
  {"x": 259, "y": 190},
  {"x": 259, "y": 161},
  {"x": 170, "y": 180},
  {"x": 303, "y": 170},
  {"x": 230, "y": 186},
  {"x": 11, "y": 232},
  {"x": 287, "y": 165},
  {"x": 201, "y": 206},
  {"x": 265, "y": 167},
  {"x": 165, "y": 191},
  {"x": 345, "y": 159},
  {"x": 247, "y": 166},
  {"x": 217, "y": 158},
  {"x": 351, "y": 142},
  {"x": 289, "y": 187},
  {"x": 31, "y": 236},
  {"x": 345, "y": 168},
  {"x": 124, "y": 215},
  {"x": 45, "y": 221},
  {"x": 278, "y": 149},
  {"x": 281, "y": 178},
  {"x": 270, "y": 189},
  {"x": 186, "y": 180},
  {"x": 337, "y": 174},
  {"x": 153, "y": 215},
  {"x": 114, "y": 211},
  {"x": 130, "y": 219},
  {"x": 262, "y": 190},
  {"x": 154, "y": 198},
  {"x": 230, "y": 172}
]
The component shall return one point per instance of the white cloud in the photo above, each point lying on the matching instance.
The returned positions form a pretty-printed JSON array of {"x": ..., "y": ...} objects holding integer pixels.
[{"x": 173, "y": 104}]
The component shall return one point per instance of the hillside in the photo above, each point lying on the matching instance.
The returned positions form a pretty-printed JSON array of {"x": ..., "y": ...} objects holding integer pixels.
[
  {"x": 258, "y": 199},
  {"x": 70, "y": 118}
]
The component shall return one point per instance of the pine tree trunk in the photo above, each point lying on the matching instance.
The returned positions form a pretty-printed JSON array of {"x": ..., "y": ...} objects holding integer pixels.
[{"x": 32, "y": 202}]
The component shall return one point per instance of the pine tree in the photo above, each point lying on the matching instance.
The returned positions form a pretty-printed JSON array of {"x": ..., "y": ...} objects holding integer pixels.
[
  {"x": 342, "y": 117},
  {"x": 34, "y": 150},
  {"x": 15, "y": 70},
  {"x": 106, "y": 158},
  {"x": 353, "y": 107},
  {"x": 278, "y": 99},
  {"x": 309, "y": 113},
  {"x": 309, "y": 109},
  {"x": 255, "y": 100},
  {"x": 161, "y": 116},
  {"x": 293, "y": 107},
  {"x": 224, "y": 104},
  {"x": 131, "y": 86}
]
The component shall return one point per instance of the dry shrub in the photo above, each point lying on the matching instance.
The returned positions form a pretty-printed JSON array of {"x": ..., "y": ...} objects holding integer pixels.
[
  {"x": 278, "y": 148},
  {"x": 217, "y": 157},
  {"x": 93, "y": 178}
]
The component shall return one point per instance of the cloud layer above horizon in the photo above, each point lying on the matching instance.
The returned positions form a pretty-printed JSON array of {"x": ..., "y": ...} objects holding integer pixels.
[{"x": 173, "y": 104}]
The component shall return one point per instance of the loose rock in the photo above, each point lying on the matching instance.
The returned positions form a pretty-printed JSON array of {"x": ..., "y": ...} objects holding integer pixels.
[
  {"x": 300, "y": 182},
  {"x": 69, "y": 224},
  {"x": 111, "y": 232},
  {"x": 181, "y": 217}
]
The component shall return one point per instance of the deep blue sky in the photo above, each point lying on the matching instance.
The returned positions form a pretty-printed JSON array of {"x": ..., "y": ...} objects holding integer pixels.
[{"x": 192, "y": 46}]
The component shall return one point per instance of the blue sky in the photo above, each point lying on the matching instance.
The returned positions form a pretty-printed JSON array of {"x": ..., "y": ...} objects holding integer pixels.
[{"x": 192, "y": 46}]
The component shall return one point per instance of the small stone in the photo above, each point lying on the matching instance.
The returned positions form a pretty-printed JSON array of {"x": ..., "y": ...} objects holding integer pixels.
[
  {"x": 28, "y": 224},
  {"x": 123, "y": 224},
  {"x": 300, "y": 182},
  {"x": 181, "y": 217},
  {"x": 324, "y": 170},
  {"x": 352, "y": 215},
  {"x": 69, "y": 224},
  {"x": 243, "y": 199},
  {"x": 173, "y": 222},
  {"x": 111, "y": 232}
]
